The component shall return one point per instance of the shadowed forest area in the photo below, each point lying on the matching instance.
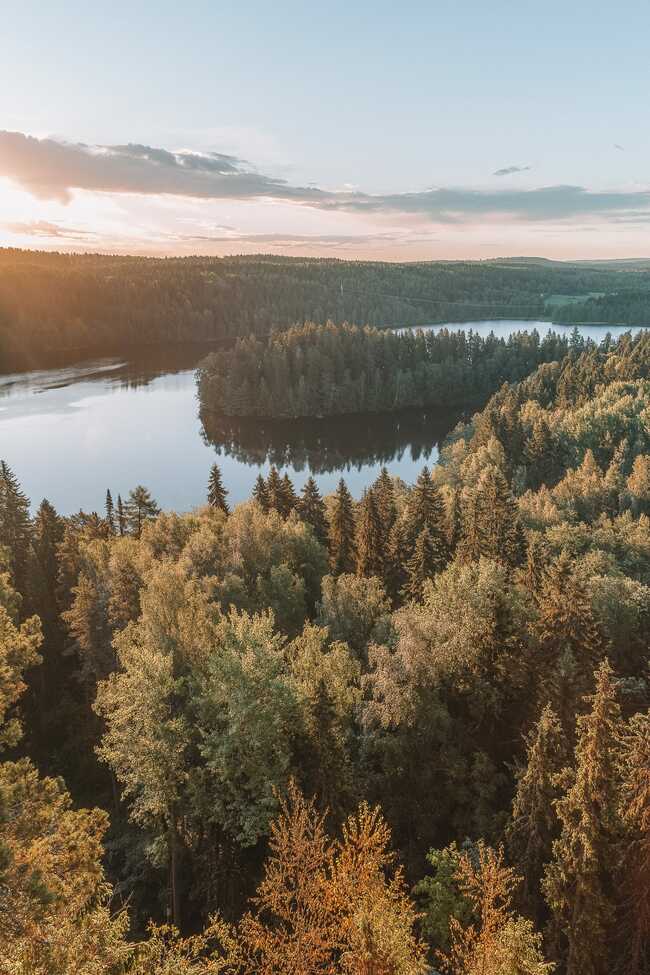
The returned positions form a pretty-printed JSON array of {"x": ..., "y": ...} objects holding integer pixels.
[
  {"x": 384, "y": 734},
  {"x": 55, "y": 307}
]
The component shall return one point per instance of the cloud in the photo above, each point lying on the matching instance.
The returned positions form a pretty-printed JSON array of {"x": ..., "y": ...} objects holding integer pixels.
[
  {"x": 303, "y": 240},
  {"x": 43, "y": 228},
  {"x": 51, "y": 169},
  {"x": 511, "y": 170}
]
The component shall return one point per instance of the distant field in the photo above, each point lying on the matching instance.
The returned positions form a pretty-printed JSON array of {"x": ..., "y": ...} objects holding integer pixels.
[{"x": 556, "y": 301}]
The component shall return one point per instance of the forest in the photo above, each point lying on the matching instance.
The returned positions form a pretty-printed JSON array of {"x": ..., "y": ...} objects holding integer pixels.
[
  {"x": 57, "y": 306},
  {"x": 378, "y": 736},
  {"x": 328, "y": 370}
]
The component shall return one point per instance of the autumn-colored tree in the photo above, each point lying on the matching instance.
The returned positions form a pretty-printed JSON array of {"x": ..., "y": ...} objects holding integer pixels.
[{"x": 496, "y": 940}]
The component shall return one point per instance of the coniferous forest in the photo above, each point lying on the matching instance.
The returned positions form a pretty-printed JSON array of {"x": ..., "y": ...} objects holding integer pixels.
[
  {"x": 377, "y": 735},
  {"x": 54, "y": 306}
]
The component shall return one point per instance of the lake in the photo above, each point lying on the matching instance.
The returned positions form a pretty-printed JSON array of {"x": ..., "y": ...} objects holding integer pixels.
[{"x": 71, "y": 433}]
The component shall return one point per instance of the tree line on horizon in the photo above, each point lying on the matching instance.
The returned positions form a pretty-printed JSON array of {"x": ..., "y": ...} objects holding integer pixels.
[
  {"x": 55, "y": 307},
  {"x": 367, "y": 735}
]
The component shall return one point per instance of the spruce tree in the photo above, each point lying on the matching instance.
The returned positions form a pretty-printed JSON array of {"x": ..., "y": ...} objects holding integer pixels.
[
  {"x": 500, "y": 535},
  {"x": 395, "y": 568},
  {"x": 426, "y": 561},
  {"x": 384, "y": 492},
  {"x": 578, "y": 882},
  {"x": 570, "y": 644},
  {"x": 425, "y": 509},
  {"x": 633, "y": 873},
  {"x": 139, "y": 508},
  {"x": 260, "y": 493},
  {"x": 289, "y": 496},
  {"x": 534, "y": 824},
  {"x": 216, "y": 491},
  {"x": 121, "y": 516},
  {"x": 15, "y": 530},
  {"x": 274, "y": 491},
  {"x": 48, "y": 535},
  {"x": 370, "y": 549},
  {"x": 110, "y": 512},
  {"x": 311, "y": 509},
  {"x": 341, "y": 531}
]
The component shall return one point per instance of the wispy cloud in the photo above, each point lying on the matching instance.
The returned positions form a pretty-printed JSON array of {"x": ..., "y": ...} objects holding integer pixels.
[
  {"x": 43, "y": 228},
  {"x": 51, "y": 169},
  {"x": 511, "y": 170}
]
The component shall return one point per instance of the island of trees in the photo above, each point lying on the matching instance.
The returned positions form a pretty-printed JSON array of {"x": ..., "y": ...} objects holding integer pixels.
[
  {"x": 325, "y": 370},
  {"x": 371, "y": 735}
]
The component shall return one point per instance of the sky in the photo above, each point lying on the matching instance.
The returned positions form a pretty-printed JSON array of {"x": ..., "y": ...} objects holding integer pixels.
[{"x": 411, "y": 131}]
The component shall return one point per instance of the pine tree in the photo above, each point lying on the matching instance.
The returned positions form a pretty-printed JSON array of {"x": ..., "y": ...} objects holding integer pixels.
[
  {"x": 395, "y": 568},
  {"x": 110, "y": 512},
  {"x": 579, "y": 880},
  {"x": 570, "y": 644},
  {"x": 121, "y": 516},
  {"x": 139, "y": 508},
  {"x": 15, "y": 530},
  {"x": 425, "y": 509},
  {"x": 341, "y": 531},
  {"x": 534, "y": 825},
  {"x": 275, "y": 491},
  {"x": 48, "y": 535},
  {"x": 499, "y": 530},
  {"x": 633, "y": 874},
  {"x": 311, "y": 509},
  {"x": 216, "y": 491},
  {"x": 426, "y": 561},
  {"x": 289, "y": 496},
  {"x": 369, "y": 538},
  {"x": 384, "y": 492},
  {"x": 260, "y": 493}
]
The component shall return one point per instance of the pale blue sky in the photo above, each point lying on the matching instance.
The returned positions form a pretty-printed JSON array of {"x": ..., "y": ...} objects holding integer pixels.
[{"x": 381, "y": 99}]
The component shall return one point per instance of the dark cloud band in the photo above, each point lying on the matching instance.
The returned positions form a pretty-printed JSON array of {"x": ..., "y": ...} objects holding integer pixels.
[{"x": 51, "y": 169}]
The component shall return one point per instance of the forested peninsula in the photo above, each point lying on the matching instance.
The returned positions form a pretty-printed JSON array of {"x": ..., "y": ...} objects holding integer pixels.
[
  {"x": 394, "y": 733},
  {"x": 55, "y": 307},
  {"x": 326, "y": 370}
]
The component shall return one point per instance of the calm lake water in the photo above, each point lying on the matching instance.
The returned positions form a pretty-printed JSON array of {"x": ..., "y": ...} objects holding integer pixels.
[{"x": 71, "y": 433}]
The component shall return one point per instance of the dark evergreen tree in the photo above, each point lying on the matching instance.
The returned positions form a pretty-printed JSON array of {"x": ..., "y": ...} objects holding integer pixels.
[
  {"x": 139, "y": 508},
  {"x": 579, "y": 881},
  {"x": 121, "y": 516},
  {"x": 311, "y": 509},
  {"x": 260, "y": 493},
  {"x": 370, "y": 550},
  {"x": 425, "y": 509},
  {"x": 426, "y": 561},
  {"x": 275, "y": 491},
  {"x": 498, "y": 531},
  {"x": 47, "y": 536},
  {"x": 110, "y": 512},
  {"x": 384, "y": 492},
  {"x": 341, "y": 531},
  {"x": 534, "y": 824},
  {"x": 15, "y": 531},
  {"x": 216, "y": 491},
  {"x": 289, "y": 496},
  {"x": 570, "y": 644},
  {"x": 395, "y": 567}
]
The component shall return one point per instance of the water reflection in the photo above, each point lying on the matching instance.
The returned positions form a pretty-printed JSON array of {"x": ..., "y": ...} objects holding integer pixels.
[{"x": 333, "y": 444}]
